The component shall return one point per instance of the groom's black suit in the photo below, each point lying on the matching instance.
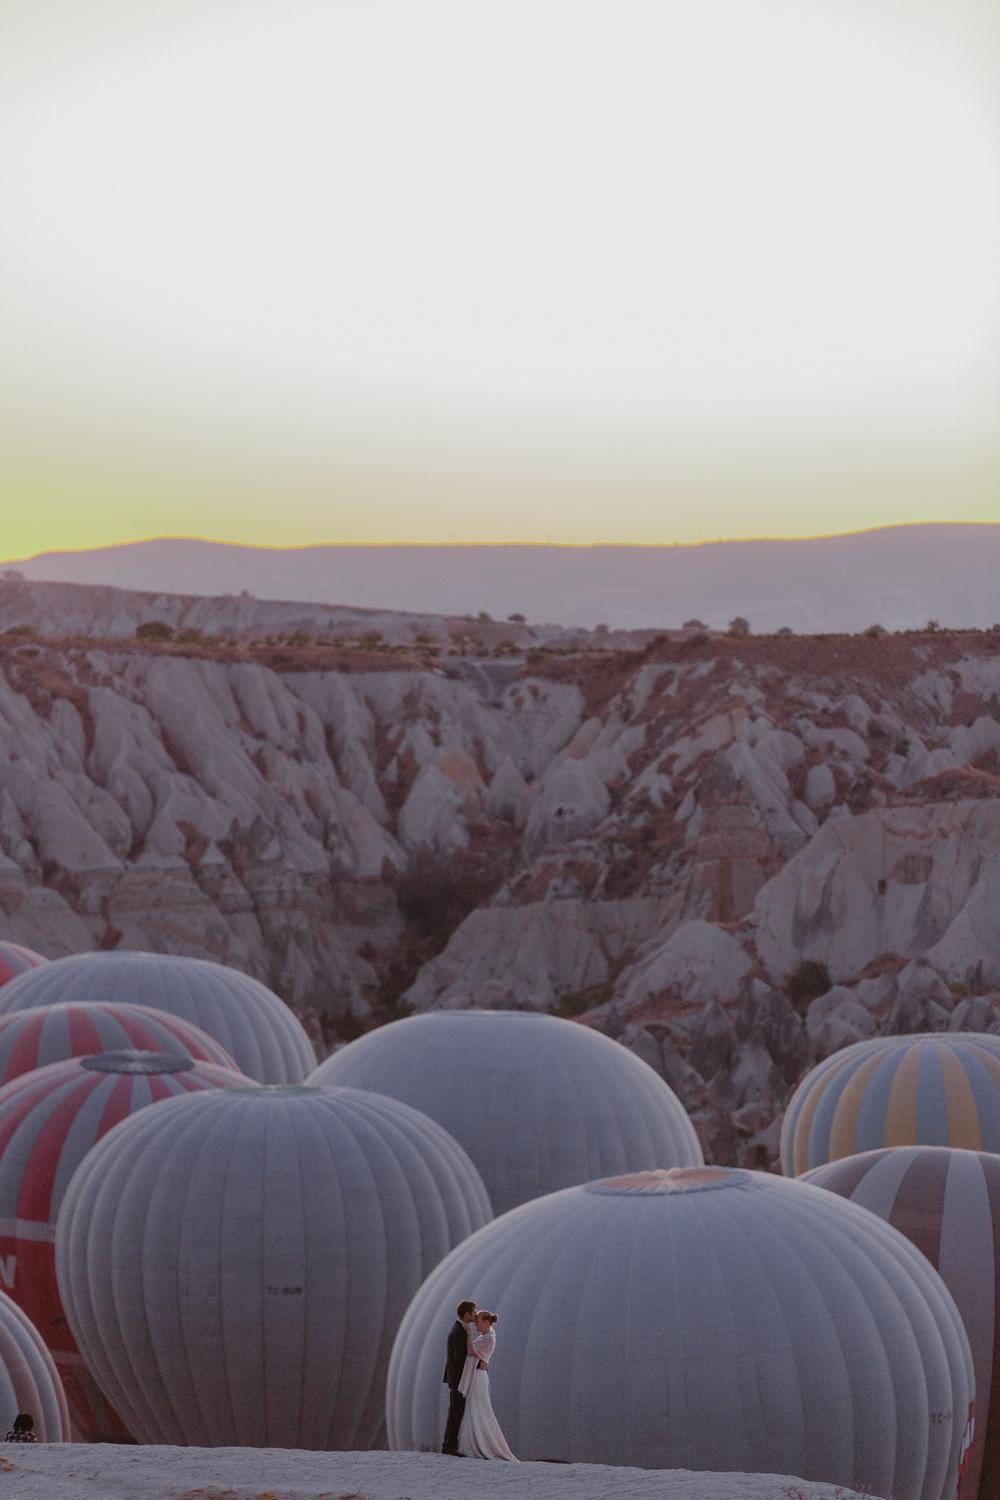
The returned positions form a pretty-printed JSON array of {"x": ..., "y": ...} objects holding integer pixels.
[{"x": 458, "y": 1346}]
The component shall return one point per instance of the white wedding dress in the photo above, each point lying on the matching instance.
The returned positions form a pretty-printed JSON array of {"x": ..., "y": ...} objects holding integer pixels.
[{"x": 479, "y": 1435}]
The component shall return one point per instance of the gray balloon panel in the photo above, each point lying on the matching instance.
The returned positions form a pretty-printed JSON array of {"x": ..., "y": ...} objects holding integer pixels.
[
  {"x": 538, "y": 1103},
  {"x": 236, "y": 1276},
  {"x": 252, "y": 1023},
  {"x": 745, "y": 1329}
]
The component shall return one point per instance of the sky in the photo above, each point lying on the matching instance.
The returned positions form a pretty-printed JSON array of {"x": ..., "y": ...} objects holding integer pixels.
[{"x": 579, "y": 271}]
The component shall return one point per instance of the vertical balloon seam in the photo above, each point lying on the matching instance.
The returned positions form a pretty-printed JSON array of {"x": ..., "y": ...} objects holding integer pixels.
[
  {"x": 219, "y": 1122},
  {"x": 307, "y": 1154},
  {"x": 188, "y": 1136},
  {"x": 73, "y": 1214},
  {"x": 828, "y": 1229},
  {"x": 395, "y": 1136},
  {"x": 341, "y": 1209},
  {"x": 249, "y": 1037},
  {"x": 982, "y": 1070},
  {"x": 699, "y": 1208},
  {"x": 417, "y": 1159},
  {"x": 462, "y": 1166},
  {"x": 811, "y": 1095},
  {"x": 116, "y": 1165},
  {"x": 312, "y": 1117},
  {"x": 962, "y": 1127},
  {"x": 990, "y": 1473},
  {"x": 553, "y": 1238},
  {"x": 885, "y": 1244},
  {"x": 595, "y": 1271},
  {"x": 141, "y": 1146},
  {"x": 758, "y": 1217},
  {"x": 934, "y": 1299},
  {"x": 967, "y": 1238},
  {"x": 372, "y": 1191}
]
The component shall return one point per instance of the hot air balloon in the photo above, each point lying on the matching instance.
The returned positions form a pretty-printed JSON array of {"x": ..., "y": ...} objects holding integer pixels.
[
  {"x": 704, "y": 1318},
  {"x": 28, "y": 1378},
  {"x": 537, "y": 1102},
  {"x": 32, "y": 1039},
  {"x": 941, "y": 1089},
  {"x": 49, "y": 1119},
  {"x": 16, "y": 960},
  {"x": 947, "y": 1202},
  {"x": 234, "y": 1266},
  {"x": 255, "y": 1027}
]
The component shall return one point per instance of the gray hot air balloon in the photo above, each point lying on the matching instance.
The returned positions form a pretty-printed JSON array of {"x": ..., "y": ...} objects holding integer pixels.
[
  {"x": 28, "y": 1378},
  {"x": 49, "y": 1119},
  {"x": 707, "y": 1318},
  {"x": 538, "y": 1103},
  {"x": 252, "y": 1023},
  {"x": 282, "y": 1237}
]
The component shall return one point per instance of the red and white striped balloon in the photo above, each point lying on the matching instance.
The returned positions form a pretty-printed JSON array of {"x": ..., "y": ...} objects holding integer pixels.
[
  {"x": 16, "y": 960},
  {"x": 28, "y": 1378},
  {"x": 32, "y": 1039},
  {"x": 49, "y": 1119}
]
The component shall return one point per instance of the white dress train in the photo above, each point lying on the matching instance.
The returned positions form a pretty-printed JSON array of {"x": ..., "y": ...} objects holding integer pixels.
[{"x": 479, "y": 1435}]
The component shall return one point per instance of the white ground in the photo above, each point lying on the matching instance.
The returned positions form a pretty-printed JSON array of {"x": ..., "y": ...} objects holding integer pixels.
[{"x": 77, "y": 1471}]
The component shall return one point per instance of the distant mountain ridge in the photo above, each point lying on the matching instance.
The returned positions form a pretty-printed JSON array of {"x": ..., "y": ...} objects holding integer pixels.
[{"x": 899, "y": 577}]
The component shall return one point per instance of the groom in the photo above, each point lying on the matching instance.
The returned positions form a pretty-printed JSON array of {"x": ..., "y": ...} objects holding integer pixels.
[{"x": 458, "y": 1345}]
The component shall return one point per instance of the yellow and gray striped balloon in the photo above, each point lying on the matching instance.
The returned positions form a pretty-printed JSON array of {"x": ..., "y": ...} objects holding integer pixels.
[{"x": 941, "y": 1089}]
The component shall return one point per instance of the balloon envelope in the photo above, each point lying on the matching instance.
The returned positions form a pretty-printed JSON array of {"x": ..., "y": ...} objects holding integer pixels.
[
  {"x": 16, "y": 960},
  {"x": 28, "y": 1378},
  {"x": 235, "y": 1266},
  {"x": 252, "y": 1023},
  {"x": 49, "y": 1119},
  {"x": 538, "y": 1103},
  {"x": 947, "y": 1202},
  {"x": 941, "y": 1089},
  {"x": 32, "y": 1039},
  {"x": 707, "y": 1319}
]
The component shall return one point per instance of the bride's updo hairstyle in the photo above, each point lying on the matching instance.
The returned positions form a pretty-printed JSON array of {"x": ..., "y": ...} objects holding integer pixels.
[{"x": 491, "y": 1318}]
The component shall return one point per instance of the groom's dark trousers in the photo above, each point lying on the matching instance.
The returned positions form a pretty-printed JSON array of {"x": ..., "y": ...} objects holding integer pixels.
[{"x": 458, "y": 1344}]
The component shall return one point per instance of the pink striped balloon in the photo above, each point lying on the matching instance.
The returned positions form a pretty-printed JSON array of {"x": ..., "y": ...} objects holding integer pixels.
[
  {"x": 49, "y": 1119},
  {"x": 28, "y": 1378},
  {"x": 947, "y": 1201},
  {"x": 32, "y": 1039},
  {"x": 16, "y": 960}
]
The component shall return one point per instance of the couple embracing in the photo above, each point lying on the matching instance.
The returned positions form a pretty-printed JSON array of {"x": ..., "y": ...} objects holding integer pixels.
[{"x": 472, "y": 1428}]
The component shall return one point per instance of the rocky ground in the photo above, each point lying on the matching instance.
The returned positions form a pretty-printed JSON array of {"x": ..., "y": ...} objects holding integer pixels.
[
  {"x": 735, "y": 855},
  {"x": 78, "y": 1472}
]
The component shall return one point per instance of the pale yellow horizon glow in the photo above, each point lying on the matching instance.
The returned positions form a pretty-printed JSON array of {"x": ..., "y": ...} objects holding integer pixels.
[{"x": 497, "y": 270}]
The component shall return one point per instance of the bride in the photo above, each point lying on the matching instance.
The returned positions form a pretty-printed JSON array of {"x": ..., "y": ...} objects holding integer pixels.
[{"x": 480, "y": 1435}]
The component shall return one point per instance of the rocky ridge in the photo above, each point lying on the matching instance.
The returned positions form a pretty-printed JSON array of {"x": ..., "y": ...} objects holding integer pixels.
[{"x": 733, "y": 855}]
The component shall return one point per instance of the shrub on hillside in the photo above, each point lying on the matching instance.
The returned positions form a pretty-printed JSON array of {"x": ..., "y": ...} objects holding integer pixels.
[
  {"x": 806, "y": 982},
  {"x": 438, "y": 890},
  {"x": 154, "y": 630},
  {"x": 739, "y": 627}
]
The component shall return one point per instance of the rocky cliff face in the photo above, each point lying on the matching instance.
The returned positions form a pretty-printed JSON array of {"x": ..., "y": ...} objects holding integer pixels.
[{"x": 733, "y": 855}]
